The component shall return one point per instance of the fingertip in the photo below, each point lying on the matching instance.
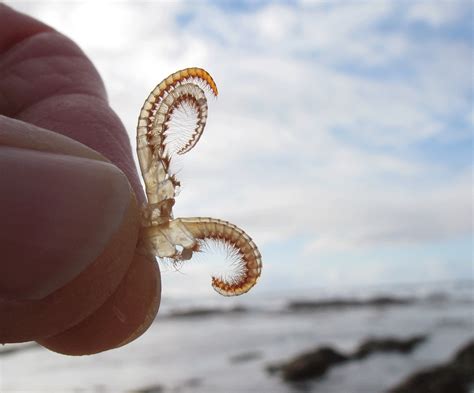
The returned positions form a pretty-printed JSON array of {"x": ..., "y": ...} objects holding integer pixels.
[
  {"x": 126, "y": 315},
  {"x": 30, "y": 320},
  {"x": 49, "y": 203}
]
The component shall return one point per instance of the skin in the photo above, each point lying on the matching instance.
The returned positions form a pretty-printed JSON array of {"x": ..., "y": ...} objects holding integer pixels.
[{"x": 70, "y": 274}]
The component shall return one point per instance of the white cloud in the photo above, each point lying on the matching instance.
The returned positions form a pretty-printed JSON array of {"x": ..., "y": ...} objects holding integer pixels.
[
  {"x": 436, "y": 14},
  {"x": 304, "y": 140}
]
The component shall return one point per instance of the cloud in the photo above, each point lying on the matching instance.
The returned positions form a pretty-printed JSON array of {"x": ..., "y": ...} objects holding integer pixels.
[
  {"x": 323, "y": 111},
  {"x": 444, "y": 13}
]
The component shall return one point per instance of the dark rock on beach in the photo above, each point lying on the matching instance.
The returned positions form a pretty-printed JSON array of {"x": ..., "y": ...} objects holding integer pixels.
[
  {"x": 245, "y": 357},
  {"x": 442, "y": 379},
  {"x": 183, "y": 386},
  {"x": 311, "y": 364},
  {"x": 323, "y": 305},
  {"x": 388, "y": 345},
  {"x": 149, "y": 389},
  {"x": 317, "y": 362},
  {"x": 205, "y": 312},
  {"x": 464, "y": 358},
  {"x": 274, "y": 368},
  {"x": 456, "y": 376}
]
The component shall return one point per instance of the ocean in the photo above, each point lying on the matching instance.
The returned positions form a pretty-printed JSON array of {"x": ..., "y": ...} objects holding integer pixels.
[{"x": 218, "y": 345}]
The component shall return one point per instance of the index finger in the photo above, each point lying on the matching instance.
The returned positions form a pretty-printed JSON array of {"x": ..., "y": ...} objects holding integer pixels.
[{"x": 48, "y": 81}]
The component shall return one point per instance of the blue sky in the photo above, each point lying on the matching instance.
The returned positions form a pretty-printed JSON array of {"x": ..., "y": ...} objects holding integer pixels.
[{"x": 341, "y": 140}]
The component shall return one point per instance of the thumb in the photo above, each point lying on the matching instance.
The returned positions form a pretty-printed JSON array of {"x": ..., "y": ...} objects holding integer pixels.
[{"x": 55, "y": 192}]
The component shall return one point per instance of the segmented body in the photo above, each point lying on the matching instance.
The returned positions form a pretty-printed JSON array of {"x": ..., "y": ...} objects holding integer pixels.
[{"x": 162, "y": 235}]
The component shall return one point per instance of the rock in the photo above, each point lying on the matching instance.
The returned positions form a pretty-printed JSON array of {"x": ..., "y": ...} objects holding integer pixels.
[
  {"x": 383, "y": 301},
  {"x": 245, "y": 357},
  {"x": 442, "y": 379},
  {"x": 465, "y": 356},
  {"x": 204, "y": 312},
  {"x": 274, "y": 368},
  {"x": 319, "y": 305},
  {"x": 150, "y": 389},
  {"x": 311, "y": 364},
  {"x": 388, "y": 345},
  {"x": 456, "y": 376},
  {"x": 316, "y": 363}
]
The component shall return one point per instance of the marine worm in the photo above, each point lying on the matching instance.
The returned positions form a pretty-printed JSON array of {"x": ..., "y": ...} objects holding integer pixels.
[{"x": 162, "y": 235}]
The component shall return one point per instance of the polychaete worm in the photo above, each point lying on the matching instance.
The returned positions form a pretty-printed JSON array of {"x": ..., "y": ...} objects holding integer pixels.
[{"x": 163, "y": 235}]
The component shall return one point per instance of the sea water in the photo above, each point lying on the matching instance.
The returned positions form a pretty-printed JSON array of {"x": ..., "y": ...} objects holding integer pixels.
[{"x": 228, "y": 352}]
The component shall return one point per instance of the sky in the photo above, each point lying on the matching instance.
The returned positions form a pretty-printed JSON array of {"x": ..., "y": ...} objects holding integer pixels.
[{"x": 341, "y": 140}]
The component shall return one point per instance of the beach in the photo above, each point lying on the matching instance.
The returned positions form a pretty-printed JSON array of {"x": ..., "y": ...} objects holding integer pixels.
[{"x": 228, "y": 345}]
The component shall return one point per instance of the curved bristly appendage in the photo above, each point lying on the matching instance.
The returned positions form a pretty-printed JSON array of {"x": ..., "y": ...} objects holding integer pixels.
[
  {"x": 152, "y": 124},
  {"x": 187, "y": 94},
  {"x": 249, "y": 259},
  {"x": 157, "y": 142}
]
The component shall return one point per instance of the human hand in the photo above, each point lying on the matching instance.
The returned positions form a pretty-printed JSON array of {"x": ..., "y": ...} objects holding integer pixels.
[{"x": 70, "y": 277}]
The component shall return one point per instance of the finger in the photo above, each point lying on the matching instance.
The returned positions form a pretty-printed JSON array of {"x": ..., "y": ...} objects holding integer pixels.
[
  {"x": 126, "y": 315},
  {"x": 51, "y": 278},
  {"x": 46, "y": 79},
  {"x": 11, "y": 31},
  {"x": 72, "y": 102}
]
